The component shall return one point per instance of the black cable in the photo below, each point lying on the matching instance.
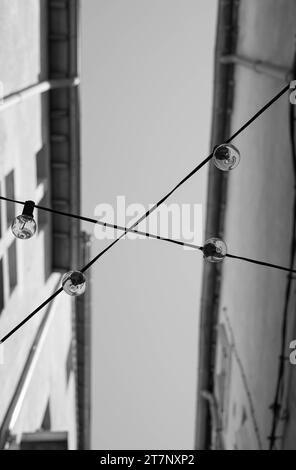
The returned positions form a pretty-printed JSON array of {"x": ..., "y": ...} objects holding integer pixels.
[
  {"x": 109, "y": 225},
  {"x": 55, "y": 294},
  {"x": 178, "y": 242},
  {"x": 144, "y": 216},
  {"x": 252, "y": 119},
  {"x": 186, "y": 178},
  {"x": 161, "y": 201},
  {"x": 146, "y": 234},
  {"x": 262, "y": 110},
  {"x": 262, "y": 263},
  {"x": 151, "y": 235},
  {"x": 12, "y": 200}
]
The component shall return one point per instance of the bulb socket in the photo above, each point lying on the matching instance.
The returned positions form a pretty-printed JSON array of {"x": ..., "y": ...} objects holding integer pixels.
[{"x": 28, "y": 208}]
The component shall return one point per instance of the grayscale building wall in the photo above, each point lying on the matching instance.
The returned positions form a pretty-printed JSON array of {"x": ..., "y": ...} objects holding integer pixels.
[
  {"x": 45, "y": 366},
  {"x": 252, "y": 210}
]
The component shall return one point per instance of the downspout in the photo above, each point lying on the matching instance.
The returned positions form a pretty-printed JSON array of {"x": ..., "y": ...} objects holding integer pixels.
[
  {"x": 259, "y": 66},
  {"x": 36, "y": 89},
  {"x": 217, "y": 191}
]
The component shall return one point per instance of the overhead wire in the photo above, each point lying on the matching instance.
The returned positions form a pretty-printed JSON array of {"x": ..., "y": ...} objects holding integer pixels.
[{"x": 151, "y": 210}]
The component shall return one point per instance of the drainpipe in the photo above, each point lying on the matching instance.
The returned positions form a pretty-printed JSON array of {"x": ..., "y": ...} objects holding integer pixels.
[
  {"x": 226, "y": 37},
  {"x": 217, "y": 430},
  {"x": 36, "y": 89},
  {"x": 259, "y": 66}
]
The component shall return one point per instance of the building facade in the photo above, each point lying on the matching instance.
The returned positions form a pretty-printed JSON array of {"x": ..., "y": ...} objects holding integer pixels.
[
  {"x": 45, "y": 366},
  {"x": 246, "y": 384}
]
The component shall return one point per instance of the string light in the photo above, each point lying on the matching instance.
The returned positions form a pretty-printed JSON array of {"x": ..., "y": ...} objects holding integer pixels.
[
  {"x": 74, "y": 283},
  {"x": 226, "y": 157},
  {"x": 24, "y": 225},
  {"x": 152, "y": 209},
  {"x": 214, "y": 250}
]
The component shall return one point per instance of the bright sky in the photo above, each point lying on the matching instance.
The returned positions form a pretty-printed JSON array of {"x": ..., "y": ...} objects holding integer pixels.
[{"x": 147, "y": 70}]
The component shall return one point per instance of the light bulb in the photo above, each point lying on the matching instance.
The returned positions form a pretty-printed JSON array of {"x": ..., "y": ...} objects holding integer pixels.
[
  {"x": 74, "y": 283},
  {"x": 226, "y": 157},
  {"x": 24, "y": 225},
  {"x": 214, "y": 250}
]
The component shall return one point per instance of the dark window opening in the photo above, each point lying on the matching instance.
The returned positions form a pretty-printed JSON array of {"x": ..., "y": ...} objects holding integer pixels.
[
  {"x": 42, "y": 216},
  {"x": 69, "y": 363},
  {"x": 46, "y": 422},
  {"x": 12, "y": 266},
  {"x": 244, "y": 416},
  {"x": 41, "y": 165},
  {"x": 44, "y": 440},
  {"x": 10, "y": 206}
]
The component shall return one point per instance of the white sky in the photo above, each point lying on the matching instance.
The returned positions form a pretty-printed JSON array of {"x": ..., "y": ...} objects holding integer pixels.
[{"x": 147, "y": 69}]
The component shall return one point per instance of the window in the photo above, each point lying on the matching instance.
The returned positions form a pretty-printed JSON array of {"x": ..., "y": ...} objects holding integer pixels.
[
  {"x": 41, "y": 164},
  {"x": 69, "y": 363},
  {"x": 1, "y": 287},
  {"x": 42, "y": 216},
  {"x": 46, "y": 422},
  {"x": 12, "y": 266},
  {"x": 10, "y": 207}
]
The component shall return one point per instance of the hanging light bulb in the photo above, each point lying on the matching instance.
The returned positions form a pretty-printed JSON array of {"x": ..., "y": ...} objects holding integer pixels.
[
  {"x": 24, "y": 225},
  {"x": 214, "y": 250},
  {"x": 226, "y": 157},
  {"x": 74, "y": 283}
]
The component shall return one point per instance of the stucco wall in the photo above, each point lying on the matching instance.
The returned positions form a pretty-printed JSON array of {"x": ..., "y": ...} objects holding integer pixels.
[
  {"x": 258, "y": 219},
  {"x": 23, "y": 132}
]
